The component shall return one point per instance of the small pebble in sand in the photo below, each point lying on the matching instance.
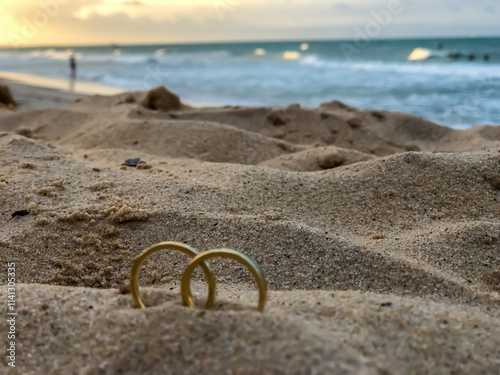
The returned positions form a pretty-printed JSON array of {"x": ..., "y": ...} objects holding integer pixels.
[
  {"x": 375, "y": 235},
  {"x": 278, "y": 118},
  {"x": 378, "y": 115},
  {"x": 20, "y": 213},
  {"x": 354, "y": 123},
  {"x": 28, "y": 166},
  {"x": 133, "y": 162},
  {"x": 96, "y": 169},
  {"x": 125, "y": 289}
]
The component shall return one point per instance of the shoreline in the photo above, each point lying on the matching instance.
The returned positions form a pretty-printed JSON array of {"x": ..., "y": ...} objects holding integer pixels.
[
  {"x": 34, "y": 92},
  {"x": 78, "y": 87}
]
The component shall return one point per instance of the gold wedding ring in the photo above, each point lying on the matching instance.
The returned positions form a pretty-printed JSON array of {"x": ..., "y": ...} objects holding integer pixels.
[
  {"x": 254, "y": 268},
  {"x": 198, "y": 259},
  {"x": 188, "y": 250}
]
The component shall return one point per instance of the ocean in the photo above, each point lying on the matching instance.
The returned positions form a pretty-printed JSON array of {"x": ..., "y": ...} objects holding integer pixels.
[{"x": 453, "y": 82}]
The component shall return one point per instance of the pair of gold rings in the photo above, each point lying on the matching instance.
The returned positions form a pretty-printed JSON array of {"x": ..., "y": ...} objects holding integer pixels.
[{"x": 198, "y": 259}]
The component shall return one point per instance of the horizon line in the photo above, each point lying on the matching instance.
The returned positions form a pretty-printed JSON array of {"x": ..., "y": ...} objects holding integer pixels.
[{"x": 245, "y": 41}]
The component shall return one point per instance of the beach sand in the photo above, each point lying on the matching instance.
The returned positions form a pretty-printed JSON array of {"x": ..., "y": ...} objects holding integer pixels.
[{"x": 378, "y": 232}]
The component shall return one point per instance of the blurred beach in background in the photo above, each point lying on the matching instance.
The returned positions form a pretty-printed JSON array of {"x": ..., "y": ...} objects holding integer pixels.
[{"x": 453, "y": 82}]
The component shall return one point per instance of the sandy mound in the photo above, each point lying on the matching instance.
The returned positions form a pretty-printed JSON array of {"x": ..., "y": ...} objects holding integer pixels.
[
  {"x": 50, "y": 125},
  {"x": 317, "y": 159},
  {"x": 300, "y": 332},
  {"x": 372, "y": 132},
  {"x": 327, "y": 219},
  {"x": 182, "y": 139},
  {"x": 419, "y": 230}
]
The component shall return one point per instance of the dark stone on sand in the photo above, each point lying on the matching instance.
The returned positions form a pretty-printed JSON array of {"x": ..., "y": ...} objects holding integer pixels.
[
  {"x": 6, "y": 97},
  {"x": 161, "y": 99},
  {"x": 354, "y": 122},
  {"x": 125, "y": 289},
  {"x": 133, "y": 162},
  {"x": 278, "y": 118},
  {"x": 378, "y": 115},
  {"x": 21, "y": 213}
]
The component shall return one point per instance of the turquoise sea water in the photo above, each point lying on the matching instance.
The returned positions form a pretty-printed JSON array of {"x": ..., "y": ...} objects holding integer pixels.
[{"x": 452, "y": 85}]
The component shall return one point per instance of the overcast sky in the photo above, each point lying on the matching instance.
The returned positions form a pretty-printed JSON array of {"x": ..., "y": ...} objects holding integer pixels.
[{"x": 74, "y": 22}]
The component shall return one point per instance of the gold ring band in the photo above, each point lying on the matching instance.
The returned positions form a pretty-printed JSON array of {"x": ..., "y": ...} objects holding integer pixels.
[
  {"x": 134, "y": 277},
  {"x": 224, "y": 253}
]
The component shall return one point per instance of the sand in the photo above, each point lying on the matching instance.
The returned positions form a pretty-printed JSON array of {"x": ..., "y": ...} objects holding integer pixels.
[
  {"x": 35, "y": 92},
  {"x": 379, "y": 234}
]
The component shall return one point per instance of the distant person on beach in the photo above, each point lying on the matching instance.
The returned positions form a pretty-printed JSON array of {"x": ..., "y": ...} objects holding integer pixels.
[
  {"x": 486, "y": 57},
  {"x": 440, "y": 46},
  {"x": 72, "y": 65}
]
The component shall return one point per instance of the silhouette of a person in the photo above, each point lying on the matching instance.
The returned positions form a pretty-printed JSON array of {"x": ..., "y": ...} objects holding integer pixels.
[{"x": 72, "y": 65}]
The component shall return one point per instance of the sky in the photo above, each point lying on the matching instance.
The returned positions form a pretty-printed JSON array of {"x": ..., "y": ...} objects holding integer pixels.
[{"x": 91, "y": 22}]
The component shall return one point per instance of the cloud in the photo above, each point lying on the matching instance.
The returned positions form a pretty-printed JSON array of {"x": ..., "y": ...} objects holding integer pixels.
[
  {"x": 155, "y": 21},
  {"x": 134, "y": 3},
  {"x": 490, "y": 9},
  {"x": 342, "y": 6},
  {"x": 455, "y": 8}
]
